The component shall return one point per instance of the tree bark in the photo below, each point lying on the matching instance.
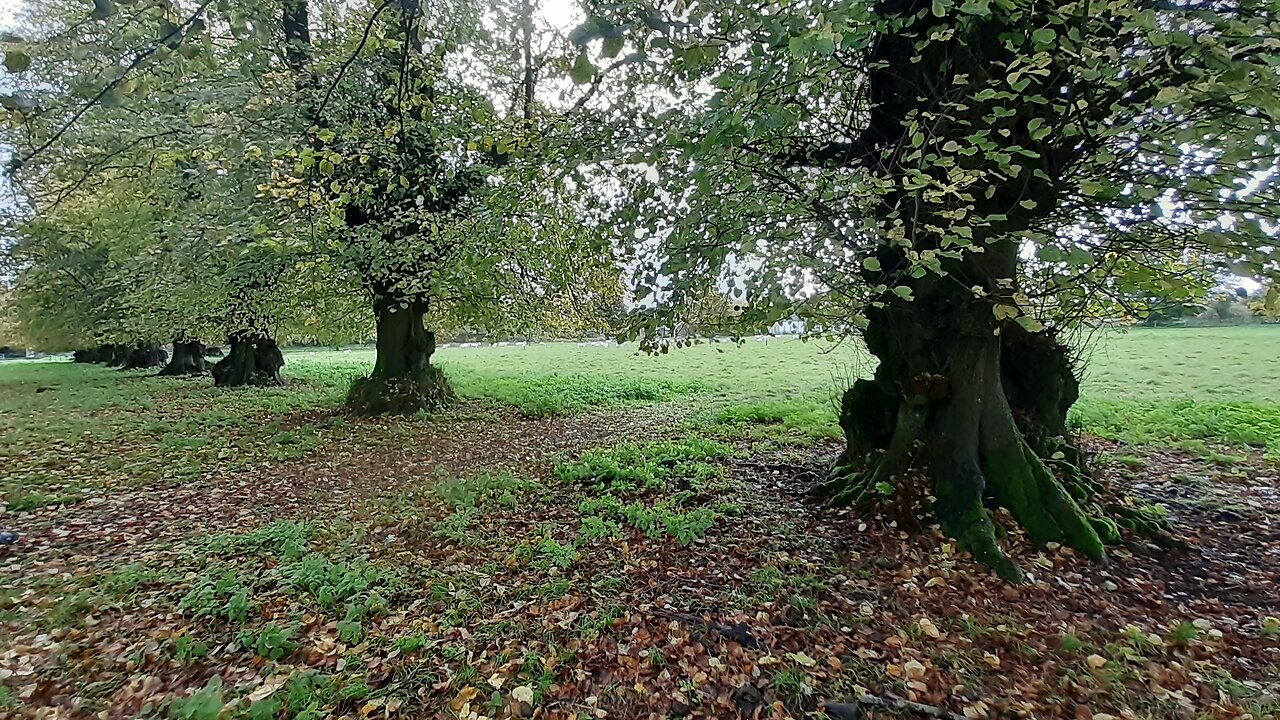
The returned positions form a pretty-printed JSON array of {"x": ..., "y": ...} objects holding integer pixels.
[
  {"x": 101, "y": 354},
  {"x": 253, "y": 358},
  {"x": 143, "y": 356},
  {"x": 956, "y": 399},
  {"x": 403, "y": 380},
  {"x": 188, "y": 358},
  {"x": 113, "y": 355}
]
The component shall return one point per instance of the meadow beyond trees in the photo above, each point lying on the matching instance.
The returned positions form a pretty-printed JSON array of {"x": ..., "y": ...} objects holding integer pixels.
[{"x": 702, "y": 359}]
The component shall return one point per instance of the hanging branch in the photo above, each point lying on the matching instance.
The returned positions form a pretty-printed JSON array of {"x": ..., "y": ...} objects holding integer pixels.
[
  {"x": 346, "y": 64},
  {"x": 164, "y": 41}
]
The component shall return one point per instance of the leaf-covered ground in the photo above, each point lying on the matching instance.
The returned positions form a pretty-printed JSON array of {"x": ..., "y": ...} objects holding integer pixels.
[{"x": 625, "y": 563}]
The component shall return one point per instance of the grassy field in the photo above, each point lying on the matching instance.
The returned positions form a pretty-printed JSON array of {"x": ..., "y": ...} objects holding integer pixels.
[
  {"x": 1216, "y": 385},
  {"x": 65, "y": 425}
]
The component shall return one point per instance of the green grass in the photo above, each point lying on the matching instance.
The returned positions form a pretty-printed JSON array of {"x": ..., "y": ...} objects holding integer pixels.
[{"x": 65, "y": 427}]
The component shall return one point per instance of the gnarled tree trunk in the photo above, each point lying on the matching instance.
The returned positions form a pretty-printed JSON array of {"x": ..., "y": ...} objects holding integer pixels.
[
  {"x": 114, "y": 355},
  {"x": 253, "y": 358},
  {"x": 187, "y": 358},
  {"x": 403, "y": 380},
  {"x": 965, "y": 401},
  {"x": 143, "y": 356},
  {"x": 100, "y": 354}
]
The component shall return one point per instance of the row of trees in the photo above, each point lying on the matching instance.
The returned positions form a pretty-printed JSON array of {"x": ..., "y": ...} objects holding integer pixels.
[{"x": 959, "y": 182}]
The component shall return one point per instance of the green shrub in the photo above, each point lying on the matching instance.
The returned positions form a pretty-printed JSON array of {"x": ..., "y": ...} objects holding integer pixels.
[
  {"x": 285, "y": 538},
  {"x": 504, "y": 488},
  {"x": 222, "y": 597},
  {"x": 627, "y": 466},
  {"x": 271, "y": 642},
  {"x": 1154, "y": 422},
  {"x": 810, "y": 418},
  {"x": 204, "y": 705},
  {"x": 332, "y": 582}
]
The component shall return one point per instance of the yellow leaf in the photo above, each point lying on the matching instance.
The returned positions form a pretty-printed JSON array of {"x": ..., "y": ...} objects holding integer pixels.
[
  {"x": 523, "y": 693},
  {"x": 1095, "y": 661},
  {"x": 991, "y": 659},
  {"x": 464, "y": 697},
  {"x": 802, "y": 659},
  {"x": 1004, "y": 312}
]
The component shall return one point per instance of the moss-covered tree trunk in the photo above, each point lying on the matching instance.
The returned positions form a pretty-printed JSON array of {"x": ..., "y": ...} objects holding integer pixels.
[
  {"x": 964, "y": 401},
  {"x": 403, "y": 380},
  {"x": 252, "y": 358},
  {"x": 187, "y": 359}
]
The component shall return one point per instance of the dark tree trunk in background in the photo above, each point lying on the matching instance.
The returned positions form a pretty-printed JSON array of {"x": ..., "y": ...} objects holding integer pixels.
[
  {"x": 114, "y": 355},
  {"x": 252, "y": 358},
  {"x": 143, "y": 356},
  {"x": 188, "y": 358},
  {"x": 100, "y": 354},
  {"x": 403, "y": 380}
]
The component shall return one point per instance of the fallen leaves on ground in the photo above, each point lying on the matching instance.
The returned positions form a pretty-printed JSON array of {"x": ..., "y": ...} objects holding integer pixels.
[{"x": 438, "y": 568}]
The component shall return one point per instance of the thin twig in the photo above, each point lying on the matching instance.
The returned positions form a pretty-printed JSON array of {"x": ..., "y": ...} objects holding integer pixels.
[
  {"x": 346, "y": 64},
  {"x": 853, "y": 710}
]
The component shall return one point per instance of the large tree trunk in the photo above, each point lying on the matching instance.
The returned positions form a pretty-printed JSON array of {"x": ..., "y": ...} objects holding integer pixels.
[
  {"x": 955, "y": 400},
  {"x": 143, "y": 356},
  {"x": 114, "y": 355},
  {"x": 403, "y": 380},
  {"x": 187, "y": 358},
  {"x": 101, "y": 354},
  {"x": 252, "y": 358}
]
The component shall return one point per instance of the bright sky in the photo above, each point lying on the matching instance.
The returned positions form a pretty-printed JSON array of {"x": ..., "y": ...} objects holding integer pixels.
[{"x": 7, "y": 10}]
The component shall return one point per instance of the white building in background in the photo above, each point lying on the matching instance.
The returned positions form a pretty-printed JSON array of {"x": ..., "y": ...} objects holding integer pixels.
[{"x": 790, "y": 326}]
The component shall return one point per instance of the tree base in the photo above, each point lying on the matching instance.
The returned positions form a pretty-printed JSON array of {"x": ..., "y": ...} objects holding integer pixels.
[
  {"x": 187, "y": 359},
  {"x": 251, "y": 361},
  {"x": 921, "y": 443},
  {"x": 143, "y": 357},
  {"x": 430, "y": 391}
]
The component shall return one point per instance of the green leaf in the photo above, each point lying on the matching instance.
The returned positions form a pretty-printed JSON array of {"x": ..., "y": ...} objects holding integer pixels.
[
  {"x": 16, "y": 61},
  {"x": 1044, "y": 36},
  {"x": 797, "y": 46},
  {"x": 582, "y": 70},
  {"x": 871, "y": 264},
  {"x": 326, "y": 168},
  {"x": 613, "y": 46},
  {"x": 1030, "y": 324}
]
